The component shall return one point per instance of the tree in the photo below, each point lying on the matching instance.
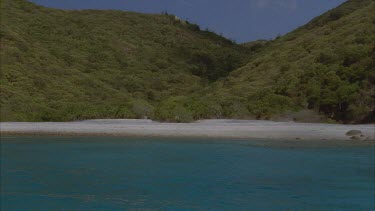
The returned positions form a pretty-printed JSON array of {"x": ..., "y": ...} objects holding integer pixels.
[{"x": 142, "y": 109}]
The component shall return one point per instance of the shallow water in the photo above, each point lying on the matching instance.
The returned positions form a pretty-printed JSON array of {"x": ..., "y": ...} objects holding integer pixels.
[{"x": 56, "y": 173}]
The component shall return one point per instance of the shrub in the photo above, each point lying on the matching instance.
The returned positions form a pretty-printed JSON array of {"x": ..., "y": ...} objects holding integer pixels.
[{"x": 142, "y": 109}]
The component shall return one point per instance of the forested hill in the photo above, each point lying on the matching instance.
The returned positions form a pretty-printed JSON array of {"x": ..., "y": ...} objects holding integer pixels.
[
  {"x": 61, "y": 65},
  {"x": 327, "y": 66},
  {"x": 64, "y": 65}
]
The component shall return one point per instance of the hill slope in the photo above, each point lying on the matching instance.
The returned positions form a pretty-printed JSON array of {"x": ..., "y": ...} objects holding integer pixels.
[
  {"x": 67, "y": 65},
  {"x": 326, "y": 65}
]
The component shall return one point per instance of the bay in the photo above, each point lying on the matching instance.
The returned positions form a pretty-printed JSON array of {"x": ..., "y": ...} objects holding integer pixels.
[{"x": 113, "y": 173}]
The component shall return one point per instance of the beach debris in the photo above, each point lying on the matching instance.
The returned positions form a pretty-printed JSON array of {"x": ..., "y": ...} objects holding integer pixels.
[
  {"x": 356, "y": 138},
  {"x": 354, "y": 133}
]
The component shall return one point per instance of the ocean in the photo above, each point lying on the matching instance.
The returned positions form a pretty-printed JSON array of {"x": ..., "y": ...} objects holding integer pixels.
[{"x": 113, "y": 173}]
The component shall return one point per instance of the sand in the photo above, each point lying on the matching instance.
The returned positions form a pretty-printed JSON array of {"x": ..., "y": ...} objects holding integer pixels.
[{"x": 243, "y": 129}]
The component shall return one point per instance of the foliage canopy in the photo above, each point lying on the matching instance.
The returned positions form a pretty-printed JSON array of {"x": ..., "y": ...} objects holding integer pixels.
[{"x": 59, "y": 65}]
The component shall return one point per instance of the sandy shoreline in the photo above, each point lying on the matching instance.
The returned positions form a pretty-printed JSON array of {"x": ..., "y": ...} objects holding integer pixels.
[{"x": 241, "y": 129}]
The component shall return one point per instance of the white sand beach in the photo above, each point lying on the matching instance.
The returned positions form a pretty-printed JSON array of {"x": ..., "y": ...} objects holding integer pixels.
[{"x": 244, "y": 129}]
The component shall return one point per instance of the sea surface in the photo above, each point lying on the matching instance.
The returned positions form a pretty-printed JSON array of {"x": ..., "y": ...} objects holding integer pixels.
[{"x": 99, "y": 173}]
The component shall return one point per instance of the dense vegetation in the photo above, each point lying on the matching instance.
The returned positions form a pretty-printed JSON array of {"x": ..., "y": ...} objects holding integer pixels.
[
  {"x": 68, "y": 65},
  {"x": 327, "y": 65},
  {"x": 65, "y": 65}
]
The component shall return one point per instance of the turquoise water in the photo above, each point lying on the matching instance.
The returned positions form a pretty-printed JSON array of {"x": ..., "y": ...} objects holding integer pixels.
[{"x": 55, "y": 173}]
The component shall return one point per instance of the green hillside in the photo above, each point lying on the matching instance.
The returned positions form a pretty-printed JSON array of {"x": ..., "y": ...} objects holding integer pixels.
[
  {"x": 65, "y": 65},
  {"x": 61, "y": 65},
  {"x": 327, "y": 66}
]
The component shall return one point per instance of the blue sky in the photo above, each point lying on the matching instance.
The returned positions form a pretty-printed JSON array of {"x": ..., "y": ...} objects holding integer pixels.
[{"x": 240, "y": 20}]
